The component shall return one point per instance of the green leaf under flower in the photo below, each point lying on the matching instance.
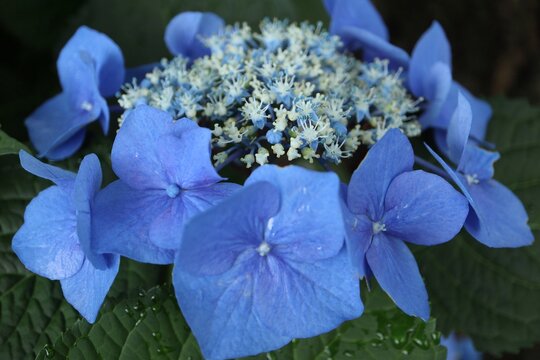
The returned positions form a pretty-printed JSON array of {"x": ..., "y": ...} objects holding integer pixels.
[
  {"x": 9, "y": 145},
  {"x": 150, "y": 326}
]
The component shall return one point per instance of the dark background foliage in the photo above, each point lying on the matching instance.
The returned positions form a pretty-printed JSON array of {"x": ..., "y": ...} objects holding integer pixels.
[{"x": 496, "y": 44}]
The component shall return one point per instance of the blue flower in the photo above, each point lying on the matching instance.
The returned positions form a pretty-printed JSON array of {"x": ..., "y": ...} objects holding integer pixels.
[
  {"x": 460, "y": 348},
  {"x": 166, "y": 177},
  {"x": 430, "y": 76},
  {"x": 481, "y": 114},
  {"x": 184, "y": 32},
  {"x": 389, "y": 204},
  {"x": 273, "y": 136},
  {"x": 90, "y": 67},
  {"x": 498, "y": 218},
  {"x": 267, "y": 265},
  {"x": 55, "y": 239},
  {"x": 360, "y": 26},
  {"x": 430, "y": 71}
]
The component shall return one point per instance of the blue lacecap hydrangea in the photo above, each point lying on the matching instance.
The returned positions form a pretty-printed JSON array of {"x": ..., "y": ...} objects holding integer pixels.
[{"x": 279, "y": 258}]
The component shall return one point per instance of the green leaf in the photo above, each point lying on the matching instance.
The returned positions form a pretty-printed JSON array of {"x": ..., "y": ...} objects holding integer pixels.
[
  {"x": 150, "y": 326},
  {"x": 144, "y": 327},
  {"x": 493, "y": 295},
  {"x": 134, "y": 277},
  {"x": 9, "y": 145}
]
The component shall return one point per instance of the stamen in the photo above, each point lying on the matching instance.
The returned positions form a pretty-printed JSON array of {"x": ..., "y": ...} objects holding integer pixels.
[
  {"x": 263, "y": 249},
  {"x": 378, "y": 227}
]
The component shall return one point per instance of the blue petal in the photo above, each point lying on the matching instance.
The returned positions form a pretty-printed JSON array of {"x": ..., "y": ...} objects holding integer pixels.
[
  {"x": 60, "y": 177},
  {"x": 309, "y": 225},
  {"x": 184, "y": 32},
  {"x": 87, "y": 289},
  {"x": 87, "y": 184},
  {"x": 478, "y": 162},
  {"x": 360, "y": 26},
  {"x": 460, "y": 348},
  {"x": 431, "y": 48},
  {"x": 397, "y": 272},
  {"x": 458, "y": 179},
  {"x": 185, "y": 157},
  {"x": 47, "y": 243},
  {"x": 329, "y": 5},
  {"x": 435, "y": 88},
  {"x": 66, "y": 148},
  {"x": 166, "y": 230},
  {"x": 424, "y": 209},
  {"x": 459, "y": 129},
  {"x": 312, "y": 297},
  {"x": 79, "y": 83},
  {"x": 104, "y": 60},
  {"x": 79, "y": 75},
  {"x": 56, "y": 129},
  {"x": 263, "y": 303},
  {"x": 359, "y": 234},
  {"x": 359, "y": 231},
  {"x": 359, "y": 14},
  {"x": 388, "y": 158},
  {"x": 499, "y": 220},
  {"x": 121, "y": 222},
  {"x": 481, "y": 112},
  {"x": 213, "y": 241},
  {"x": 221, "y": 315},
  {"x": 135, "y": 150},
  {"x": 151, "y": 151},
  {"x": 439, "y": 137},
  {"x": 375, "y": 47}
]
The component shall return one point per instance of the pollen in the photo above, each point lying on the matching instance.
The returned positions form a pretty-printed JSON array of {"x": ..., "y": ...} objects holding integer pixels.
[
  {"x": 472, "y": 179},
  {"x": 378, "y": 227},
  {"x": 263, "y": 249}
]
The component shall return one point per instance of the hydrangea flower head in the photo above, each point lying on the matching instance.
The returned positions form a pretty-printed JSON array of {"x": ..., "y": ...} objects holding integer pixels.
[
  {"x": 287, "y": 91},
  {"x": 497, "y": 217},
  {"x": 90, "y": 68},
  {"x": 267, "y": 265},
  {"x": 391, "y": 204},
  {"x": 55, "y": 239},
  {"x": 166, "y": 177}
]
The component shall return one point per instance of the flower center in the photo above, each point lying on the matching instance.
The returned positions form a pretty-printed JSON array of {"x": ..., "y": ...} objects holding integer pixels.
[
  {"x": 87, "y": 106},
  {"x": 172, "y": 190},
  {"x": 472, "y": 179},
  {"x": 378, "y": 227},
  {"x": 263, "y": 249}
]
